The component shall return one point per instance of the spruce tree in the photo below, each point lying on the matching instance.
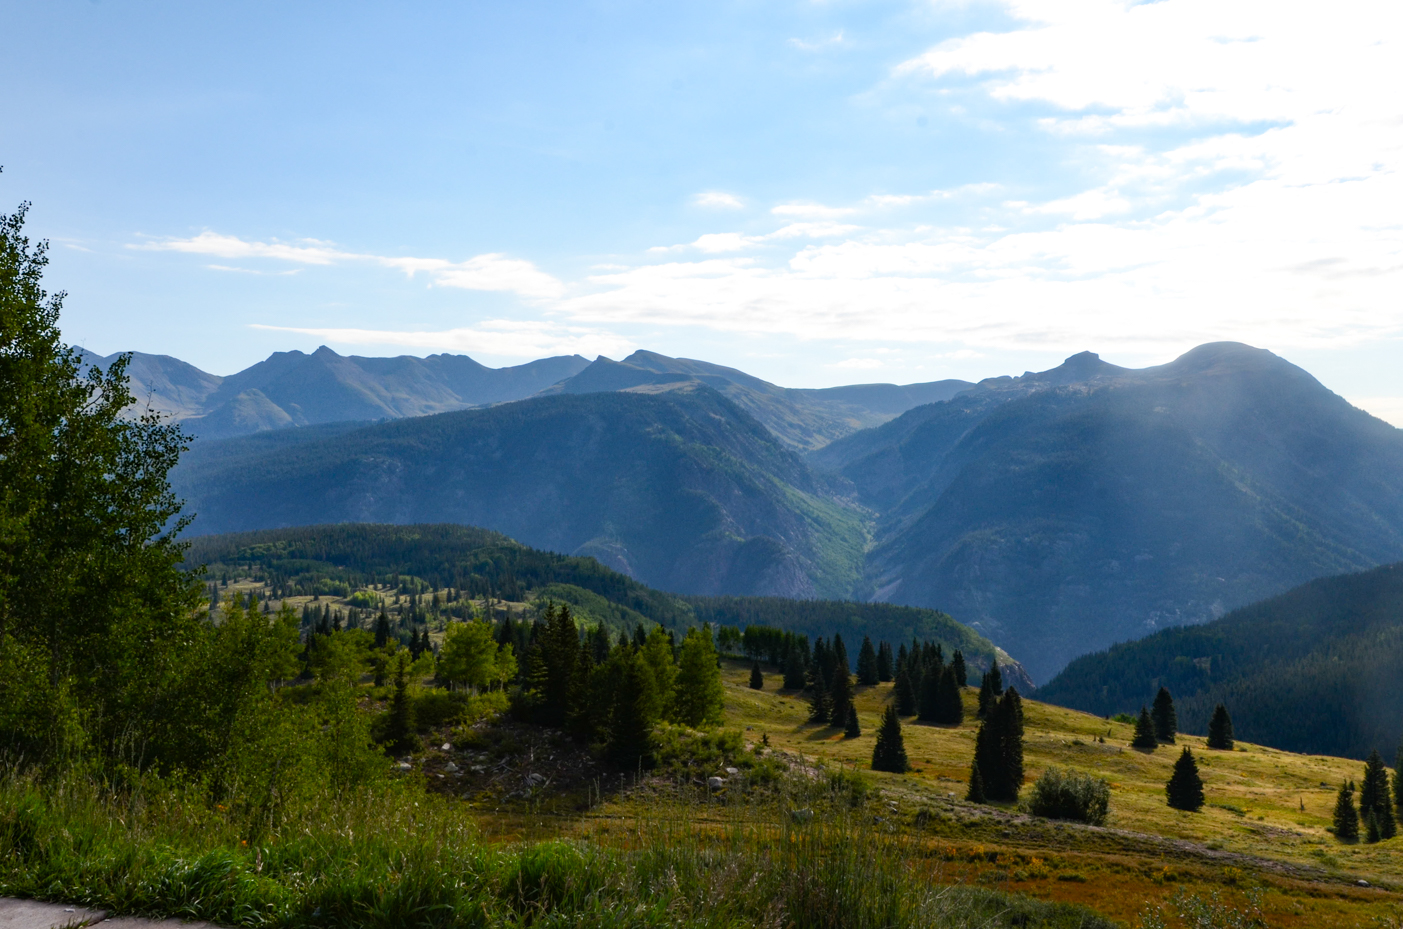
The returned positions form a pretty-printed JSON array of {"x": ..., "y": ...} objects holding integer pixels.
[
  {"x": 1220, "y": 734},
  {"x": 975, "y": 794},
  {"x": 1185, "y": 787},
  {"x": 852, "y": 728},
  {"x": 631, "y": 741},
  {"x": 998, "y": 749},
  {"x": 1144, "y": 732},
  {"x": 757, "y": 680},
  {"x": 996, "y": 679},
  {"x": 957, "y": 664},
  {"x": 794, "y": 670},
  {"x": 820, "y": 707},
  {"x": 889, "y": 754},
  {"x": 1371, "y": 828},
  {"x": 840, "y": 654},
  {"x": 885, "y": 669},
  {"x": 951, "y": 706},
  {"x": 840, "y": 691},
  {"x": 905, "y": 694},
  {"x": 400, "y": 738},
  {"x": 867, "y": 663},
  {"x": 700, "y": 697},
  {"x": 1375, "y": 797},
  {"x": 928, "y": 703},
  {"x": 1166, "y": 720},
  {"x": 1346, "y": 819},
  {"x": 986, "y": 695}
]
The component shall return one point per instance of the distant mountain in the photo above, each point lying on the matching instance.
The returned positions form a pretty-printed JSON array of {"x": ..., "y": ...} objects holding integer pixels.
[
  {"x": 802, "y": 419},
  {"x": 1063, "y": 511},
  {"x": 682, "y": 490},
  {"x": 297, "y": 389},
  {"x": 1314, "y": 670}
]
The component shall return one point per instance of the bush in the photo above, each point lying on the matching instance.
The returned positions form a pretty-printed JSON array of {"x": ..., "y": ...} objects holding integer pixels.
[{"x": 1069, "y": 795}]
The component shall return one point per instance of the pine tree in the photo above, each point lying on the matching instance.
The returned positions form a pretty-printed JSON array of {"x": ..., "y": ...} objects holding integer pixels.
[
  {"x": 1375, "y": 797},
  {"x": 1166, "y": 720},
  {"x": 631, "y": 742},
  {"x": 996, "y": 679},
  {"x": 840, "y": 654},
  {"x": 951, "y": 705},
  {"x": 867, "y": 663},
  {"x": 998, "y": 749},
  {"x": 700, "y": 696},
  {"x": 382, "y": 628},
  {"x": 986, "y": 695},
  {"x": 820, "y": 707},
  {"x": 400, "y": 738},
  {"x": 559, "y": 657},
  {"x": 885, "y": 663},
  {"x": 1220, "y": 734},
  {"x": 928, "y": 703},
  {"x": 757, "y": 680},
  {"x": 905, "y": 694},
  {"x": 1346, "y": 816},
  {"x": 852, "y": 728},
  {"x": 1185, "y": 787},
  {"x": 889, "y": 754},
  {"x": 1371, "y": 828},
  {"x": 957, "y": 664},
  {"x": 794, "y": 670},
  {"x": 840, "y": 691},
  {"x": 975, "y": 794},
  {"x": 1144, "y": 732}
]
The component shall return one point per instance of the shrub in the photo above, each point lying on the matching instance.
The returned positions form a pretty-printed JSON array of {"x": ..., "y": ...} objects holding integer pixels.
[{"x": 1069, "y": 795}]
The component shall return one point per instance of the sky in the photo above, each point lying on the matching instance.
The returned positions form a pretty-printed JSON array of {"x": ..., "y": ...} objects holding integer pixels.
[{"x": 817, "y": 193}]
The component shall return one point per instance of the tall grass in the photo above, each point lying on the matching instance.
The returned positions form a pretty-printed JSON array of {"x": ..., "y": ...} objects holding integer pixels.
[{"x": 399, "y": 857}]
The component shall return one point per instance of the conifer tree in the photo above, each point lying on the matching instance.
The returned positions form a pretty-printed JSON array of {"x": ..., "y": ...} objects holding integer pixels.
[
  {"x": 1371, "y": 828},
  {"x": 631, "y": 741},
  {"x": 794, "y": 670},
  {"x": 1375, "y": 797},
  {"x": 928, "y": 703},
  {"x": 975, "y": 794},
  {"x": 382, "y": 628},
  {"x": 1165, "y": 718},
  {"x": 1144, "y": 732},
  {"x": 885, "y": 663},
  {"x": 901, "y": 658},
  {"x": 757, "y": 680},
  {"x": 889, "y": 754},
  {"x": 867, "y": 663},
  {"x": 400, "y": 738},
  {"x": 852, "y": 728},
  {"x": 951, "y": 706},
  {"x": 957, "y": 664},
  {"x": 905, "y": 694},
  {"x": 840, "y": 691},
  {"x": 986, "y": 695},
  {"x": 1220, "y": 734},
  {"x": 1398, "y": 780},
  {"x": 1185, "y": 787},
  {"x": 996, "y": 679},
  {"x": 840, "y": 654},
  {"x": 998, "y": 748},
  {"x": 700, "y": 696},
  {"x": 559, "y": 655},
  {"x": 1346, "y": 819}
]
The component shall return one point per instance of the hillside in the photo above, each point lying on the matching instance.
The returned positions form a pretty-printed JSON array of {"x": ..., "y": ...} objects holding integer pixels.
[
  {"x": 681, "y": 490},
  {"x": 1312, "y": 670},
  {"x": 1063, "y": 511},
  {"x": 297, "y": 389},
  {"x": 802, "y": 419}
]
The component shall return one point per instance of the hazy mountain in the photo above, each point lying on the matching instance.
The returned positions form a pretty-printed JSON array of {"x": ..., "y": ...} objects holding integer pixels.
[
  {"x": 802, "y": 419},
  {"x": 682, "y": 490},
  {"x": 1313, "y": 670},
  {"x": 1063, "y": 511},
  {"x": 297, "y": 389}
]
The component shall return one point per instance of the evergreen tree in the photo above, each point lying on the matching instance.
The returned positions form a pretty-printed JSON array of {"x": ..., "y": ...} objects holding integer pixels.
[
  {"x": 631, "y": 741},
  {"x": 885, "y": 663},
  {"x": 1220, "y": 734},
  {"x": 1375, "y": 798},
  {"x": 996, "y": 679},
  {"x": 928, "y": 705},
  {"x": 820, "y": 707},
  {"x": 998, "y": 749},
  {"x": 957, "y": 664},
  {"x": 700, "y": 696},
  {"x": 975, "y": 794},
  {"x": 1371, "y": 828},
  {"x": 382, "y": 628},
  {"x": 757, "y": 680},
  {"x": 901, "y": 658},
  {"x": 1185, "y": 787},
  {"x": 1144, "y": 732},
  {"x": 840, "y": 691},
  {"x": 1398, "y": 780},
  {"x": 840, "y": 655},
  {"x": 986, "y": 695},
  {"x": 889, "y": 754},
  {"x": 867, "y": 663},
  {"x": 794, "y": 670},
  {"x": 1346, "y": 816},
  {"x": 951, "y": 706},
  {"x": 852, "y": 728},
  {"x": 399, "y": 737},
  {"x": 1166, "y": 720},
  {"x": 905, "y": 694},
  {"x": 559, "y": 656}
]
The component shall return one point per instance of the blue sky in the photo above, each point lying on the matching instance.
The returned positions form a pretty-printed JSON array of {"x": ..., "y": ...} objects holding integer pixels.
[{"x": 816, "y": 192}]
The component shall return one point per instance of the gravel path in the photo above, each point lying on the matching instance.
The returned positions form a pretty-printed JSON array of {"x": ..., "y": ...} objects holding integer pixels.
[{"x": 31, "y": 914}]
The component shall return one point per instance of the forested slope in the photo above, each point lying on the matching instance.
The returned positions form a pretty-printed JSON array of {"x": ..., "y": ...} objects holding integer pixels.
[{"x": 1313, "y": 670}]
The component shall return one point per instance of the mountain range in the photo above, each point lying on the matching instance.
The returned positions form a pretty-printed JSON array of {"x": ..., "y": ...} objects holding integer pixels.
[
  {"x": 296, "y": 389},
  {"x": 1058, "y": 512}
]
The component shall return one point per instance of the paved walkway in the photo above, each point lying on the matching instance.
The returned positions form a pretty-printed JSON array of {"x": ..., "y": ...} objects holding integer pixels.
[{"x": 31, "y": 914}]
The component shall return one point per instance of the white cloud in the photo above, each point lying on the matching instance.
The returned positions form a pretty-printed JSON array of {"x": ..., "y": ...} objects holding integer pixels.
[
  {"x": 484, "y": 272},
  {"x": 718, "y": 200},
  {"x": 818, "y": 230},
  {"x": 504, "y": 337},
  {"x": 812, "y": 210},
  {"x": 858, "y": 364}
]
